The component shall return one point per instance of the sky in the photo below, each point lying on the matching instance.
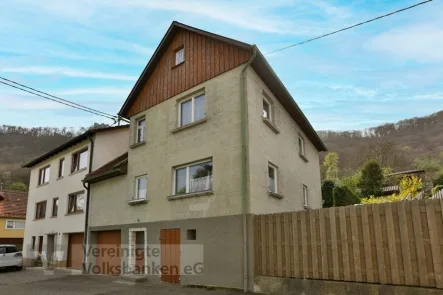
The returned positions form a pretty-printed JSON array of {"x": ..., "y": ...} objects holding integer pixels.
[{"x": 93, "y": 51}]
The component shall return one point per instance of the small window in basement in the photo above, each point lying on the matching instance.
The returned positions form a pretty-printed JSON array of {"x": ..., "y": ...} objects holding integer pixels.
[{"x": 191, "y": 234}]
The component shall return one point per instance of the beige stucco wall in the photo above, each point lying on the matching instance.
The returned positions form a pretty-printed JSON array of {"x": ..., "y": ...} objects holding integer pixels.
[
  {"x": 109, "y": 145},
  {"x": 282, "y": 151},
  {"x": 217, "y": 138}
]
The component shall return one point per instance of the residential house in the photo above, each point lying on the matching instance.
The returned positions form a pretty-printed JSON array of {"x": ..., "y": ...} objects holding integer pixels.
[
  {"x": 215, "y": 137},
  {"x": 12, "y": 217},
  {"x": 58, "y": 197},
  {"x": 393, "y": 180}
]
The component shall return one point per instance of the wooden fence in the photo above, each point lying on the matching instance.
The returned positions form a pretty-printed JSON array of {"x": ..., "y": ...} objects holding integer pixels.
[{"x": 395, "y": 243}]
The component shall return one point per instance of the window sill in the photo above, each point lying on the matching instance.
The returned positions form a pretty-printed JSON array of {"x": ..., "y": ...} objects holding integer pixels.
[
  {"x": 178, "y": 129},
  {"x": 303, "y": 158},
  {"x": 74, "y": 213},
  {"x": 271, "y": 125},
  {"x": 137, "y": 144},
  {"x": 275, "y": 195},
  {"x": 137, "y": 201},
  {"x": 190, "y": 195},
  {"x": 43, "y": 184},
  {"x": 37, "y": 219},
  {"x": 177, "y": 65},
  {"x": 61, "y": 177},
  {"x": 78, "y": 171},
  {"x": 54, "y": 216}
]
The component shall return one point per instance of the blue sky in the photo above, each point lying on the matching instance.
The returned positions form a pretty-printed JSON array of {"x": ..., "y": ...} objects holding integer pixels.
[{"x": 93, "y": 51}]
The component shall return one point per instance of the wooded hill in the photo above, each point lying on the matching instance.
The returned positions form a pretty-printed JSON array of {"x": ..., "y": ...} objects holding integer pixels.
[
  {"x": 396, "y": 145},
  {"x": 401, "y": 146}
]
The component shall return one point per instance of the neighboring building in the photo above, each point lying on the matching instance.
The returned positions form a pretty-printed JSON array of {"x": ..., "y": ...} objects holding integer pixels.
[
  {"x": 12, "y": 217},
  {"x": 214, "y": 137},
  {"x": 393, "y": 180},
  {"x": 58, "y": 198}
]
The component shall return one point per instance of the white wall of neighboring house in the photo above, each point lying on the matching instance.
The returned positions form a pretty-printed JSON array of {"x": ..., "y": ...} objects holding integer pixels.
[{"x": 107, "y": 146}]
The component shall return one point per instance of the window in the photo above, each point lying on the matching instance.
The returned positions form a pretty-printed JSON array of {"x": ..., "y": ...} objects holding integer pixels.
[
  {"x": 79, "y": 160},
  {"x": 192, "y": 110},
  {"x": 141, "y": 185},
  {"x": 305, "y": 197},
  {"x": 76, "y": 202},
  {"x": 191, "y": 234},
  {"x": 272, "y": 178},
  {"x": 61, "y": 168},
  {"x": 193, "y": 178},
  {"x": 15, "y": 224},
  {"x": 141, "y": 127},
  {"x": 266, "y": 110},
  {"x": 43, "y": 175},
  {"x": 179, "y": 56},
  {"x": 40, "y": 210},
  {"x": 33, "y": 243},
  {"x": 301, "y": 145},
  {"x": 54, "y": 207}
]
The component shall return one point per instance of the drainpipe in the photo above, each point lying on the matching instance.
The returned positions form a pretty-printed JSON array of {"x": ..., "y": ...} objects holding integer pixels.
[
  {"x": 244, "y": 166},
  {"x": 88, "y": 193}
]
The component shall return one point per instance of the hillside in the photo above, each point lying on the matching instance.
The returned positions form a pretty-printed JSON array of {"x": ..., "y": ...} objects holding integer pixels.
[
  {"x": 395, "y": 145},
  {"x": 19, "y": 145}
]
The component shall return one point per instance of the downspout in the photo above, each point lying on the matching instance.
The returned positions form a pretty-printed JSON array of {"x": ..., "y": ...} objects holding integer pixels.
[
  {"x": 244, "y": 156},
  {"x": 88, "y": 193}
]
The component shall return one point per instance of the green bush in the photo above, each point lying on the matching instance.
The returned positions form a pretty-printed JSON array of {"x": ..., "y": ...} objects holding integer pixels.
[
  {"x": 327, "y": 193},
  {"x": 343, "y": 196}
]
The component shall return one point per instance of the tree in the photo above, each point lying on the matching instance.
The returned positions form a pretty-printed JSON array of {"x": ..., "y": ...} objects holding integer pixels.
[
  {"x": 410, "y": 186},
  {"x": 352, "y": 182},
  {"x": 343, "y": 196},
  {"x": 18, "y": 186},
  {"x": 327, "y": 193},
  {"x": 428, "y": 164},
  {"x": 371, "y": 179},
  {"x": 330, "y": 165}
]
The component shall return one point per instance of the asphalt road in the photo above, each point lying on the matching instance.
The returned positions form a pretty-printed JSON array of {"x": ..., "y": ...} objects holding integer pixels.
[{"x": 36, "y": 282}]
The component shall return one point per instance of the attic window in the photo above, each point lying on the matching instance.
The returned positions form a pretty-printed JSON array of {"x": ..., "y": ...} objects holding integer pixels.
[{"x": 179, "y": 56}]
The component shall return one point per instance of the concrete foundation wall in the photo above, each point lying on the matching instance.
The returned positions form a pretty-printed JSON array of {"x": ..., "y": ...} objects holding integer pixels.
[
  {"x": 219, "y": 242},
  {"x": 286, "y": 286}
]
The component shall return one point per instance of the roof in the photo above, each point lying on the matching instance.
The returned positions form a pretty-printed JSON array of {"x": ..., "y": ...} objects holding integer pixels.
[
  {"x": 70, "y": 143},
  {"x": 260, "y": 65},
  {"x": 115, "y": 167},
  {"x": 13, "y": 204},
  {"x": 406, "y": 172}
]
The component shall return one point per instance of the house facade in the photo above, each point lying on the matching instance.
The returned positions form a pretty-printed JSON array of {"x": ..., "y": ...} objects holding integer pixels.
[
  {"x": 58, "y": 199},
  {"x": 12, "y": 217},
  {"x": 214, "y": 138}
]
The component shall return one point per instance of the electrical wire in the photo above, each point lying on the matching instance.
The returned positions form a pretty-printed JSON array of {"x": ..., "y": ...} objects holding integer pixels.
[
  {"x": 350, "y": 27},
  {"x": 70, "y": 105}
]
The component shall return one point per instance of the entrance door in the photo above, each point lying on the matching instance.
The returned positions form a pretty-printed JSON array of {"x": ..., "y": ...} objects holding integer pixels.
[
  {"x": 75, "y": 251},
  {"x": 50, "y": 248},
  {"x": 170, "y": 254},
  {"x": 140, "y": 252}
]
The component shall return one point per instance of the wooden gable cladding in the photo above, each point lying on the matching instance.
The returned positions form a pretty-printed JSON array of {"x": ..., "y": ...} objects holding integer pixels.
[{"x": 205, "y": 58}]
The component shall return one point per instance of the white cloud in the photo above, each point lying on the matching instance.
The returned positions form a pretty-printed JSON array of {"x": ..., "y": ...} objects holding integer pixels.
[
  {"x": 416, "y": 42},
  {"x": 96, "y": 91},
  {"x": 68, "y": 72},
  {"x": 436, "y": 95},
  {"x": 354, "y": 90},
  {"x": 23, "y": 102}
]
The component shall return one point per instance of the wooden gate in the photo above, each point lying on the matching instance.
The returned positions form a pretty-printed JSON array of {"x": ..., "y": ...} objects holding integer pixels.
[{"x": 170, "y": 255}]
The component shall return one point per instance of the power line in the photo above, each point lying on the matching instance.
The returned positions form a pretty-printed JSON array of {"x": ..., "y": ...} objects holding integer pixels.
[
  {"x": 92, "y": 112},
  {"x": 56, "y": 97},
  {"x": 347, "y": 28}
]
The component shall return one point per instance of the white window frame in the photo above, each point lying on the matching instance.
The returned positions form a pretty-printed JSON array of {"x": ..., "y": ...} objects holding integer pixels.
[
  {"x": 305, "y": 192},
  {"x": 142, "y": 128},
  {"x": 136, "y": 196},
  {"x": 42, "y": 174},
  {"x": 187, "y": 166},
  {"x": 301, "y": 150},
  {"x": 180, "y": 56},
  {"x": 14, "y": 224},
  {"x": 270, "y": 113},
  {"x": 192, "y": 98},
  {"x": 270, "y": 165}
]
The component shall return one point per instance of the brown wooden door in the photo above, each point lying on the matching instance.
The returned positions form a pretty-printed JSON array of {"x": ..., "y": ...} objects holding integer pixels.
[
  {"x": 75, "y": 251},
  {"x": 109, "y": 260},
  {"x": 40, "y": 244},
  {"x": 140, "y": 252},
  {"x": 170, "y": 255}
]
